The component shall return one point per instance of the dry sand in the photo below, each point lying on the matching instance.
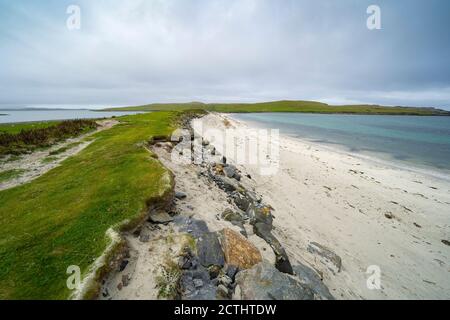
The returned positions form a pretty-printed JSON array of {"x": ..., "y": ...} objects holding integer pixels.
[{"x": 366, "y": 211}]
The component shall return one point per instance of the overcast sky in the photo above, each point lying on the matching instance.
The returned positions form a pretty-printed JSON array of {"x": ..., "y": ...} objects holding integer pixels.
[{"x": 142, "y": 51}]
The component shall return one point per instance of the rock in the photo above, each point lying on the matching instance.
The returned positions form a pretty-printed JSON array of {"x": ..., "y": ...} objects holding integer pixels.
[
  {"x": 226, "y": 184},
  {"x": 229, "y": 171},
  {"x": 237, "y": 176},
  {"x": 240, "y": 224},
  {"x": 224, "y": 160},
  {"x": 225, "y": 280},
  {"x": 241, "y": 201},
  {"x": 230, "y": 215},
  {"x": 231, "y": 271},
  {"x": 123, "y": 265},
  {"x": 105, "y": 292},
  {"x": 196, "y": 285},
  {"x": 265, "y": 282},
  {"x": 125, "y": 280},
  {"x": 205, "y": 143},
  {"x": 144, "y": 238},
  {"x": 330, "y": 259},
  {"x": 239, "y": 251},
  {"x": 195, "y": 227},
  {"x": 214, "y": 271},
  {"x": 446, "y": 242},
  {"x": 180, "y": 195},
  {"x": 282, "y": 262},
  {"x": 260, "y": 214},
  {"x": 210, "y": 251},
  {"x": 222, "y": 292},
  {"x": 160, "y": 217},
  {"x": 311, "y": 278}
]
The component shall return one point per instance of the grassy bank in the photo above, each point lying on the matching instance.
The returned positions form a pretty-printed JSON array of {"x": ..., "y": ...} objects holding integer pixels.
[
  {"x": 39, "y": 135},
  {"x": 290, "y": 106},
  {"x": 13, "y": 128},
  {"x": 61, "y": 218}
]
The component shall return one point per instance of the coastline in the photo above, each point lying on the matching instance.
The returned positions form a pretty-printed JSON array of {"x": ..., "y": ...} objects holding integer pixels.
[
  {"x": 376, "y": 158},
  {"x": 369, "y": 213}
]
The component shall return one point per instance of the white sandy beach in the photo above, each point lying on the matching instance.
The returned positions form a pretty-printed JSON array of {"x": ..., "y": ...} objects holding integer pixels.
[{"x": 367, "y": 212}]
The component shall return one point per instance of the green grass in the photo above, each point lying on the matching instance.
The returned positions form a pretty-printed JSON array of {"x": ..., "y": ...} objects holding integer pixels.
[
  {"x": 64, "y": 149},
  {"x": 60, "y": 219},
  {"x": 10, "y": 174},
  {"x": 14, "y": 128},
  {"x": 289, "y": 106},
  {"x": 49, "y": 159}
]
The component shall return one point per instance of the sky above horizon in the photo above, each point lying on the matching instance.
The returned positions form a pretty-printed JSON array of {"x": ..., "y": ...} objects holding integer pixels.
[{"x": 143, "y": 51}]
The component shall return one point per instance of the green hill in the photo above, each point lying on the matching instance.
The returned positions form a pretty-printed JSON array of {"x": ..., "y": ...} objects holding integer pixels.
[{"x": 288, "y": 106}]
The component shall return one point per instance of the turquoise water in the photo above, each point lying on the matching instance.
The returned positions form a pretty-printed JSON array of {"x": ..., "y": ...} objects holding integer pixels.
[
  {"x": 13, "y": 116},
  {"x": 419, "y": 141}
]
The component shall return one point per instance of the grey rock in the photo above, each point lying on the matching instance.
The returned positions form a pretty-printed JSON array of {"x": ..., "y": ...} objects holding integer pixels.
[
  {"x": 329, "y": 258},
  {"x": 195, "y": 227},
  {"x": 265, "y": 282},
  {"x": 180, "y": 195},
  {"x": 189, "y": 285},
  {"x": 225, "y": 280},
  {"x": 282, "y": 262},
  {"x": 231, "y": 271},
  {"x": 123, "y": 265},
  {"x": 230, "y": 171},
  {"x": 226, "y": 184},
  {"x": 230, "y": 215},
  {"x": 237, "y": 176},
  {"x": 222, "y": 292},
  {"x": 198, "y": 283},
  {"x": 160, "y": 217},
  {"x": 241, "y": 201},
  {"x": 260, "y": 214},
  {"x": 210, "y": 251},
  {"x": 125, "y": 280},
  {"x": 311, "y": 278},
  {"x": 144, "y": 238}
]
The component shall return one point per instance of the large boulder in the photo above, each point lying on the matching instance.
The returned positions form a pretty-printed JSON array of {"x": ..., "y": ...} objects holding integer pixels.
[
  {"x": 265, "y": 282},
  {"x": 239, "y": 251},
  {"x": 210, "y": 251}
]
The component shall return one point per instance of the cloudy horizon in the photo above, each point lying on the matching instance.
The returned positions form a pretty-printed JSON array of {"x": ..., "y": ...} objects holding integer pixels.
[{"x": 160, "y": 51}]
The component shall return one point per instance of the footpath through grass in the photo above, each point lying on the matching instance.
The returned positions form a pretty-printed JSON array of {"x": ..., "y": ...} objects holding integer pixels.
[
  {"x": 289, "y": 106},
  {"x": 61, "y": 218}
]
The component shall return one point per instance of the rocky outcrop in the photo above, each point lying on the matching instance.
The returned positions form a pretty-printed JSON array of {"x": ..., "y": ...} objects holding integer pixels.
[
  {"x": 265, "y": 282},
  {"x": 238, "y": 251}
]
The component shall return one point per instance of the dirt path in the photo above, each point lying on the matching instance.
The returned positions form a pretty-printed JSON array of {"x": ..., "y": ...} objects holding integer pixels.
[{"x": 34, "y": 165}]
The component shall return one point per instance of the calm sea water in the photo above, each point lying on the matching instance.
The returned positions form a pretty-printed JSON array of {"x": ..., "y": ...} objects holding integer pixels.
[
  {"x": 41, "y": 115},
  {"x": 417, "y": 141}
]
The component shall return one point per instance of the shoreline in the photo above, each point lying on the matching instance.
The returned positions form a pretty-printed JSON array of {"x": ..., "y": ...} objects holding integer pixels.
[
  {"x": 355, "y": 206},
  {"x": 374, "y": 157}
]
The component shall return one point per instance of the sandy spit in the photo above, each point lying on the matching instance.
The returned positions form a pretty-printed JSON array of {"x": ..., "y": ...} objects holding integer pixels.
[{"x": 367, "y": 212}]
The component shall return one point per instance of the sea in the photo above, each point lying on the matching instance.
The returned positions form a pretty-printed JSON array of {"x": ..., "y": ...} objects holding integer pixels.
[{"x": 17, "y": 116}]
